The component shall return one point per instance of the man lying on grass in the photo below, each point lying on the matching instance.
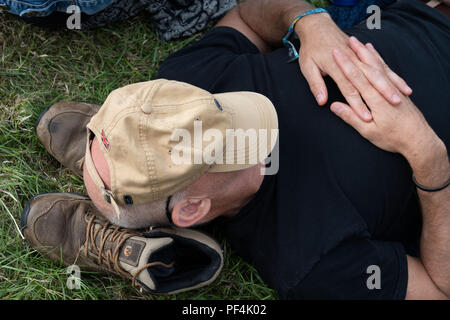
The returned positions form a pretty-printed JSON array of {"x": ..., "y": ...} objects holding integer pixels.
[{"x": 359, "y": 207}]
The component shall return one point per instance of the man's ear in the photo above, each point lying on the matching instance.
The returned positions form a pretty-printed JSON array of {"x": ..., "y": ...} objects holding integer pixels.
[{"x": 189, "y": 212}]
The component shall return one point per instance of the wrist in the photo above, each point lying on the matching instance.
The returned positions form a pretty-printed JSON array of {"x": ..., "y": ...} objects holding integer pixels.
[
  {"x": 430, "y": 163},
  {"x": 311, "y": 22},
  {"x": 290, "y": 12}
]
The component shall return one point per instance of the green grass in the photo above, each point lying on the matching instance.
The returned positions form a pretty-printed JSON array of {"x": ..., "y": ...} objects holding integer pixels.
[
  {"x": 41, "y": 67},
  {"x": 38, "y": 68}
]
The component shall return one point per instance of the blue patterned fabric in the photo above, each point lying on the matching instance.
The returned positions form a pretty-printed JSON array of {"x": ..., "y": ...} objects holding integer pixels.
[
  {"x": 41, "y": 8},
  {"x": 171, "y": 18}
]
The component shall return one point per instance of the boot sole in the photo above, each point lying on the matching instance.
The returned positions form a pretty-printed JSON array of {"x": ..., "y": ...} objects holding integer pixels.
[
  {"x": 40, "y": 117},
  {"x": 26, "y": 210}
]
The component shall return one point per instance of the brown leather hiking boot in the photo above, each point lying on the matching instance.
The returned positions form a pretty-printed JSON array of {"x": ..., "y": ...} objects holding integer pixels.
[
  {"x": 65, "y": 227},
  {"x": 62, "y": 130}
]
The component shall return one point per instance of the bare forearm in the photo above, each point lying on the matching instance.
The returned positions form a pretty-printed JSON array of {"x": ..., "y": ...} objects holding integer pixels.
[
  {"x": 431, "y": 168},
  {"x": 270, "y": 19}
]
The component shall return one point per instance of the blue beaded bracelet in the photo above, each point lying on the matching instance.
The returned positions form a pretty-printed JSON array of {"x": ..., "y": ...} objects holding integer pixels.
[{"x": 293, "y": 53}]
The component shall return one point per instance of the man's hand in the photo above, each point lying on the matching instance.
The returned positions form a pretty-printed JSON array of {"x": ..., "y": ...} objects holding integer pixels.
[
  {"x": 265, "y": 22},
  {"x": 318, "y": 35},
  {"x": 401, "y": 128}
]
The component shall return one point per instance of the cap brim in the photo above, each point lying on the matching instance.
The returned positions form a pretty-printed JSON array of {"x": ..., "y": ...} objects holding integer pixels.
[{"x": 252, "y": 111}]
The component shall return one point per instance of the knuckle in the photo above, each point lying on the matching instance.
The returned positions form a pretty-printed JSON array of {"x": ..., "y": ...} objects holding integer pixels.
[
  {"x": 373, "y": 98},
  {"x": 401, "y": 81},
  {"x": 360, "y": 109},
  {"x": 354, "y": 73},
  {"x": 360, "y": 64},
  {"x": 370, "y": 69},
  {"x": 384, "y": 86},
  {"x": 315, "y": 86},
  {"x": 378, "y": 74},
  {"x": 366, "y": 68},
  {"x": 352, "y": 94},
  {"x": 396, "y": 77}
]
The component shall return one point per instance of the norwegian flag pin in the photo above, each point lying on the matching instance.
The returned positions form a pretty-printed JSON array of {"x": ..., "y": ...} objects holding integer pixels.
[{"x": 105, "y": 140}]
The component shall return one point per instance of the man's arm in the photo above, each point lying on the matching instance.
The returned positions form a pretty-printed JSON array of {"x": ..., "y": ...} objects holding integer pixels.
[
  {"x": 234, "y": 20},
  {"x": 271, "y": 19},
  {"x": 404, "y": 130},
  {"x": 430, "y": 164},
  {"x": 264, "y": 22},
  {"x": 429, "y": 276}
]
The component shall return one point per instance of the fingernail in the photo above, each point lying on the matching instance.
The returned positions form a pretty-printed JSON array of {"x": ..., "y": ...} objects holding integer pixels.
[
  {"x": 395, "y": 98},
  {"x": 370, "y": 45},
  {"x": 336, "y": 108},
  {"x": 354, "y": 39},
  {"x": 320, "y": 97},
  {"x": 367, "y": 115},
  {"x": 408, "y": 89}
]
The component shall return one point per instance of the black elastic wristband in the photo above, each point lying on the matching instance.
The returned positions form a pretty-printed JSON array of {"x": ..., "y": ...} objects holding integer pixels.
[{"x": 423, "y": 188}]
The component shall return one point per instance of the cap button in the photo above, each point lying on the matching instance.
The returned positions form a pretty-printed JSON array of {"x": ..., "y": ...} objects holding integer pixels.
[{"x": 146, "y": 108}]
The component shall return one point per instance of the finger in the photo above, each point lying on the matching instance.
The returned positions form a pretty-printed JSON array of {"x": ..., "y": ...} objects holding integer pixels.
[
  {"x": 383, "y": 84},
  {"x": 399, "y": 83},
  {"x": 375, "y": 52},
  {"x": 314, "y": 78},
  {"x": 359, "y": 82},
  {"x": 352, "y": 96},
  {"x": 397, "y": 80},
  {"x": 364, "y": 54},
  {"x": 351, "y": 71},
  {"x": 347, "y": 114},
  {"x": 357, "y": 74},
  {"x": 351, "y": 93}
]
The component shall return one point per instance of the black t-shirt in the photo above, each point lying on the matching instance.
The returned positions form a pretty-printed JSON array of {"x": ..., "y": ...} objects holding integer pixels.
[{"x": 338, "y": 204}]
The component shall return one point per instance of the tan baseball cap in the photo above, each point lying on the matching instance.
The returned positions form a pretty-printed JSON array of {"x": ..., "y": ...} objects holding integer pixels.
[{"x": 142, "y": 127}]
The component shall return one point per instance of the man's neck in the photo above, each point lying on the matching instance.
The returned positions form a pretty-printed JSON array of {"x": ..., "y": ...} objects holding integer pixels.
[{"x": 241, "y": 192}]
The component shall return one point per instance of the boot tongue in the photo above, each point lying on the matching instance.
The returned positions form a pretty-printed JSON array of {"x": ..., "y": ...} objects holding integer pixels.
[{"x": 137, "y": 252}]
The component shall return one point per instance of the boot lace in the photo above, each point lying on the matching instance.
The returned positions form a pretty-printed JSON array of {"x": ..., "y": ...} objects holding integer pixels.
[{"x": 118, "y": 236}]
